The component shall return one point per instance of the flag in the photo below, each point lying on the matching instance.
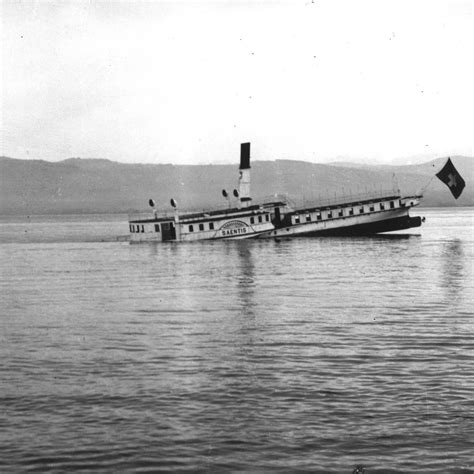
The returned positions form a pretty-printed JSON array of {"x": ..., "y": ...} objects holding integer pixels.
[{"x": 449, "y": 175}]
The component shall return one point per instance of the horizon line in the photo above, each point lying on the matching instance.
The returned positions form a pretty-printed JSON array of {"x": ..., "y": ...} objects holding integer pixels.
[{"x": 342, "y": 161}]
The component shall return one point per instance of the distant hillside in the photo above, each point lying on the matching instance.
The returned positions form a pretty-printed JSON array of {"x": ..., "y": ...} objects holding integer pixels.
[{"x": 92, "y": 185}]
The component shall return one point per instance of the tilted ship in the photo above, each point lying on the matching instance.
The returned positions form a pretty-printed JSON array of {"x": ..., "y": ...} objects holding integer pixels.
[{"x": 276, "y": 218}]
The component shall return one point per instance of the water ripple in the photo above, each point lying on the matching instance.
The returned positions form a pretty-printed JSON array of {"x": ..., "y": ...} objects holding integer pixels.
[{"x": 300, "y": 355}]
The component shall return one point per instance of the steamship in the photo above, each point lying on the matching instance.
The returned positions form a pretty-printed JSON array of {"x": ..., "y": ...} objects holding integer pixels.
[{"x": 277, "y": 217}]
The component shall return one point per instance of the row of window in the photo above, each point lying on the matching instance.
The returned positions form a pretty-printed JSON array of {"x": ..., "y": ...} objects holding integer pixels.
[
  {"x": 260, "y": 219},
  {"x": 141, "y": 228},
  {"x": 202, "y": 227},
  {"x": 350, "y": 212},
  {"x": 211, "y": 224},
  {"x": 166, "y": 225}
]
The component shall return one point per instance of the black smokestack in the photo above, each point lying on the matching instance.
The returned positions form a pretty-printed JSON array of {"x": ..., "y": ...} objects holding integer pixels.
[{"x": 244, "y": 156}]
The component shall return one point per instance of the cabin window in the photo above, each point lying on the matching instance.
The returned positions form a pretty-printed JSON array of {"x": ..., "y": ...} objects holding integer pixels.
[
  {"x": 318, "y": 216},
  {"x": 308, "y": 218},
  {"x": 351, "y": 211},
  {"x": 382, "y": 206},
  {"x": 267, "y": 217},
  {"x": 252, "y": 220},
  {"x": 259, "y": 218},
  {"x": 191, "y": 228},
  {"x": 361, "y": 210},
  {"x": 143, "y": 228},
  {"x": 130, "y": 227},
  {"x": 329, "y": 215},
  {"x": 201, "y": 226},
  {"x": 157, "y": 227},
  {"x": 341, "y": 213},
  {"x": 400, "y": 203},
  {"x": 297, "y": 219},
  {"x": 392, "y": 205},
  {"x": 372, "y": 208},
  {"x": 211, "y": 225}
]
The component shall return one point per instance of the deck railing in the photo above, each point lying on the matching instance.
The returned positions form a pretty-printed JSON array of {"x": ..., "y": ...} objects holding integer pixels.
[
  {"x": 233, "y": 204},
  {"x": 343, "y": 198},
  {"x": 295, "y": 203}
]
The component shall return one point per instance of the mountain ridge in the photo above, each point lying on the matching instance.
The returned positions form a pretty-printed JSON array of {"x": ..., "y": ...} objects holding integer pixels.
[{"x": 89, "y": 185}]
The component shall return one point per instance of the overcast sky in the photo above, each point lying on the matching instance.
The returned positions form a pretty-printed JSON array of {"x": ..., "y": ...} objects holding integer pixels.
[{"x": 167, "y": 82}]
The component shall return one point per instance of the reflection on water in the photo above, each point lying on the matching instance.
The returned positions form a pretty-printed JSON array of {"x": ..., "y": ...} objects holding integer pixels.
[
  {"x": 310, "y": 354},
  {"x": 453, "y": 269},
  {"x": 245, "y": 277}
]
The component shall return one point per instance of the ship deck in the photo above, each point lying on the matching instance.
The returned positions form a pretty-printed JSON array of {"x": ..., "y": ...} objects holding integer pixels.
[
  {"x": 211, "y": 214},
  {"x": 292, "y": 208}
]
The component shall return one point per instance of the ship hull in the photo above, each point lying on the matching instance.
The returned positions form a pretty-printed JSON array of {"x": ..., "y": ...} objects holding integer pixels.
[
  {"x": 372, "y": 223},
  {"x": 386, "y": 225},
  {"x": 373, "y": 218}
]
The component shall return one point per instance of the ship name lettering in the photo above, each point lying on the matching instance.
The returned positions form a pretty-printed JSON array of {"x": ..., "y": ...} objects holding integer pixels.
[{"x": 240, "y": 230}]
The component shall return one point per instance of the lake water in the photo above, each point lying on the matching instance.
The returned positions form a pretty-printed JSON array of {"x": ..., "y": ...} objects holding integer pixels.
[{"x": 309, "y": 354}]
